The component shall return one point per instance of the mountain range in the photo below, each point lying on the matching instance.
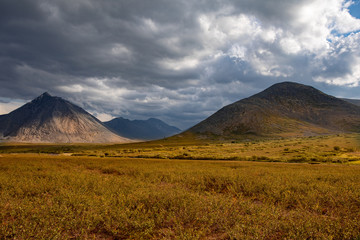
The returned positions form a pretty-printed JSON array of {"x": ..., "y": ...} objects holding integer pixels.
[
  {"x": 142, "y": 129},
  {"x": 49, "y": 119},
  {"x": 284, "y": 109}
]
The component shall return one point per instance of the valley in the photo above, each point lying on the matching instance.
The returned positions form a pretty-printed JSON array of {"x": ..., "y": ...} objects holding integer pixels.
[
  {"x": 281, "y": 164},
  {"x": 340, "y": 148},
  {"x": 59, "y": 196},
  {"x": 182, "y": 189},
  {"x": 180, "y": 120}
]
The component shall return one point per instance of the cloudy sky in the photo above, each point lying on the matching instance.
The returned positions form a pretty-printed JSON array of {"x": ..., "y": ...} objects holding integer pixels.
[{"x": 179, "y": 61}]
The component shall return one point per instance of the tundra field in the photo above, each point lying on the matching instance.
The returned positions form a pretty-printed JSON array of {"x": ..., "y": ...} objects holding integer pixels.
[{"x": 299, "y": 188}]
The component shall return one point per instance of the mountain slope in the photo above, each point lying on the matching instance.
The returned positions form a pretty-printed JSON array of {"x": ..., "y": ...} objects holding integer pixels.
[
  {"x": 284, "y": 109},
  {"x": 353, "y": 101},
  {"x": 53, "y": 119},
  {"x": 142, "y": 129}
]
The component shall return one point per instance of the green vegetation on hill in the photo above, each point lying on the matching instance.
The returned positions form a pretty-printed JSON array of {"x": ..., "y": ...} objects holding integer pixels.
[{"x": 63, "y": 197}]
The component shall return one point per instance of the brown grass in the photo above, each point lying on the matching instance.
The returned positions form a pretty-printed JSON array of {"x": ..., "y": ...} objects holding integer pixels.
[{"x": 62, "y": 197}]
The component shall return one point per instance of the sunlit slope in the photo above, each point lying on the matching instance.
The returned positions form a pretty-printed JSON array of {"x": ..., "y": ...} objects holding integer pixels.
[{"x": 284, "y": 109}]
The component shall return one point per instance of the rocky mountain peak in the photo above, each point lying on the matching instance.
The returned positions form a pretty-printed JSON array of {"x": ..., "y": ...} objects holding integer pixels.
[
  {"x": 43, "y": 96},
  {"x": 52, "y": 119}
]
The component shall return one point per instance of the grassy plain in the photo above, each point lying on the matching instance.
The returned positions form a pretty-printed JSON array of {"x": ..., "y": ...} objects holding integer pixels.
[
  {"x": 158, "y": 190},
  {"x": 330, "y": 148}
]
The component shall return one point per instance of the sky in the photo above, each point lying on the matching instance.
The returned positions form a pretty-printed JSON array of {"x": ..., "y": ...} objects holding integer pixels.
[{"x": 179, "y": 61}]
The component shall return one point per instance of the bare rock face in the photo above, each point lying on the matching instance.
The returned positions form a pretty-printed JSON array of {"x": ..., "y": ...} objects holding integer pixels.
[
  {"x": 284, "y": 109},
  {"x": 53, "y": 119}
]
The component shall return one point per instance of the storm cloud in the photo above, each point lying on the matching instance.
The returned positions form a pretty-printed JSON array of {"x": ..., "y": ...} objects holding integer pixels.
[{"x": 179, "y": 61}]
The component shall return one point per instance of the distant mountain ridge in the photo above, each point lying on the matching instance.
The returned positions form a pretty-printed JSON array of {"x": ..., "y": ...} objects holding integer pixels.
[
  {"x": 142, "y": 129},
  {"x": 53, "y": 119},
  {"x": 284, "y": 109},
  {"x": 353, "y": 101}
]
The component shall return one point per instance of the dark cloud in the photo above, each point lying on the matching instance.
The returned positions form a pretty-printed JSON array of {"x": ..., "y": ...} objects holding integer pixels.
[{"x": 176, "y": 60}]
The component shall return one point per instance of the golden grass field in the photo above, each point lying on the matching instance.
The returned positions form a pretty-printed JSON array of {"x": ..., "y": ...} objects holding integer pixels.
[{"x": 299, "y": 188}]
